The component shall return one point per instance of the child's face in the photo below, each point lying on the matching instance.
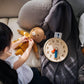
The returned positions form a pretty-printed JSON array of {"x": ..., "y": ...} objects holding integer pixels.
[
  {"x": 10, "y": 45},
  {"x": 8, "y": 48}
]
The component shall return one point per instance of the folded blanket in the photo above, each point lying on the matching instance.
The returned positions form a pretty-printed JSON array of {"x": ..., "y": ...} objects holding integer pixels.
[{"x": 61, "y": 19}]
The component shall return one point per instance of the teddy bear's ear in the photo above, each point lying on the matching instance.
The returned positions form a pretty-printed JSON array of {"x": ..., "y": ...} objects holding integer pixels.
[{"x": 44, "y": 37}]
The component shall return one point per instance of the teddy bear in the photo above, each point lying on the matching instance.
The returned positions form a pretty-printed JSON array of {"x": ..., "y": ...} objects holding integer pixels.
[{"x": 37, "y": 34}]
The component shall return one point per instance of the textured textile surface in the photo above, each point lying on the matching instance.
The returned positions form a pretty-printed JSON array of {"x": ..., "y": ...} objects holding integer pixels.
[
  {"x": 10, "y": 8},
  {"x": 12, "y": 23},
  {"x": 81, "y": 75},
  {"x": 61, "y": 19},
  {"x": 7, "y": 75},
  {"x": 81, "y": 29},
  {"x": 33, "y": 13},
  {"x": 4, "y": 20},
  {"x": 78, "y": 6},
  {"x": 24, "y": 72}
]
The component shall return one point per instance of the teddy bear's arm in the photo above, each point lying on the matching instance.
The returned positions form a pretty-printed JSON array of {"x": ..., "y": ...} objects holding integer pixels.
[
  {"x": 35, "y": 49},
  {"x": 19, "y": 52},
  {"x": 24, "y": 46},
  {"x": 21, "y": 48},
  {"x": 24, "y": 33},
  {"x": 14, "y": 41}
]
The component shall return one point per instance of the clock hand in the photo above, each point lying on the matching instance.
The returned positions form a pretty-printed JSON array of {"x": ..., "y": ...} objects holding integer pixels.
[{"x": 56, "y": 51}]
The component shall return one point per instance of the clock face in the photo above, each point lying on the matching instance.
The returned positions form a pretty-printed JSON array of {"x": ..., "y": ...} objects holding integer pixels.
[{"x": 55, "y": 49}]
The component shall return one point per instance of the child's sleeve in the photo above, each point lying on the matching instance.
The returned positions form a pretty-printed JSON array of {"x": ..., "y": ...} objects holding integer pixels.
[{"x": 12, "y": 59}]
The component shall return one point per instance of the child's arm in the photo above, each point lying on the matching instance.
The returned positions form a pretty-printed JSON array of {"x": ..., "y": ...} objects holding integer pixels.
[
  {"x": 25, "y": 55},
  {"x": 21, "y": 40}
]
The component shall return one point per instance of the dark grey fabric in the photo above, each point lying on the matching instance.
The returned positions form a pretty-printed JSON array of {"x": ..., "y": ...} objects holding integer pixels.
[
  {"x": 38, "y": 79},
  {"x": 61, "y": 19},
  {"x": 81, "y": 75},
  {"x": 7, "y": 75},
  {"x": 78, "y": 6}
]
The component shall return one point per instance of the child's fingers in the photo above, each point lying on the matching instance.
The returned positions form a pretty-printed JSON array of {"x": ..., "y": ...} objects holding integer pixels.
[
  {"x": 30, "y": 39},
  {"x": 26, "y": 39}
]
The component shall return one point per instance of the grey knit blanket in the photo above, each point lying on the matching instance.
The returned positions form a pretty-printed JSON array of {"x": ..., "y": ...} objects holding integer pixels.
[{"x": 61, "y": 19}]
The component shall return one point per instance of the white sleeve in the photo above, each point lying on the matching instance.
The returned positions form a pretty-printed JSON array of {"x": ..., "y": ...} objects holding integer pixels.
[{"x": 12, "y": 59}]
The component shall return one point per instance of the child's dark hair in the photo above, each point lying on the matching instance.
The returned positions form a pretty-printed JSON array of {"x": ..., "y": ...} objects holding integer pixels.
[{"x": 5, "y": 36}]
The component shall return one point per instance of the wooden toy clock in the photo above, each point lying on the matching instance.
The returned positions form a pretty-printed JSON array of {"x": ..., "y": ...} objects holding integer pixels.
[{"x": 55, "y": 49}]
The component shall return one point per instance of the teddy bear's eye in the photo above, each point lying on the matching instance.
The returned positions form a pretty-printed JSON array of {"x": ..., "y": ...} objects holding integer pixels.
[
  {"x": 37, "y": 34},
  {"x": 33, "y": 29}
]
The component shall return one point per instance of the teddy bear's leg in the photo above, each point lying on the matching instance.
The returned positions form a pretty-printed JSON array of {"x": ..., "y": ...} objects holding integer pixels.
[
  {"x": 24, "y": 46},
  {"x": 19, "y": 46},
  {"x": 19, "y": 52},
  {"x": 35, "y": 48}
]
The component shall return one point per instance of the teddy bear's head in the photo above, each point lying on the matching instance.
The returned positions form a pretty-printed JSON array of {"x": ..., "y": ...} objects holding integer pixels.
[{"x": 37, "y": 34}]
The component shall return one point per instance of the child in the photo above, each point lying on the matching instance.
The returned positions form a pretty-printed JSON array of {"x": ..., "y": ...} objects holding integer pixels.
[{"x": 26, "y": 75}]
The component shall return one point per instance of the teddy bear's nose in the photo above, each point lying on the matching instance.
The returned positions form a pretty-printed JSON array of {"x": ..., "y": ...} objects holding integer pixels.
[{"x": 33, "y": 33}]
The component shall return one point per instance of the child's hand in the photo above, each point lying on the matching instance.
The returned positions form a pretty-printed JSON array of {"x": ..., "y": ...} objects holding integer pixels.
[
  {"x": 23, "y": 39},
  {"x": 31, "y": 42}
]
